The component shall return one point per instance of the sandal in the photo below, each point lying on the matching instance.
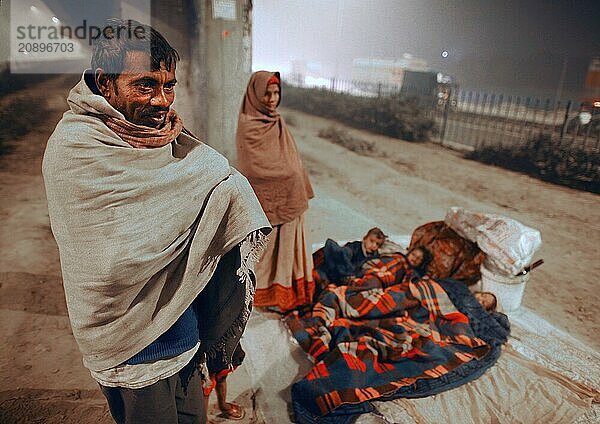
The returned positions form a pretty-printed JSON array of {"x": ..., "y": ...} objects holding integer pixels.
[{"x": 235, "y": 412}]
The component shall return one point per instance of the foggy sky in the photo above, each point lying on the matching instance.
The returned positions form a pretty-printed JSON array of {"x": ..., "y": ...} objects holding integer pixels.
[{"x": 505, "y": 46}]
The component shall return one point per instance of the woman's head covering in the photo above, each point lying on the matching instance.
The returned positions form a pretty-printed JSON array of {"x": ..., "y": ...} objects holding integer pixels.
[
  {"x": 268, "y": 157},
  {"x": 257, "y": 87}
]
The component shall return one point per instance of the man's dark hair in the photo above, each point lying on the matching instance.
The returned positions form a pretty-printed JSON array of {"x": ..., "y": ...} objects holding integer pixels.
[{"x": 119, "y": 37}]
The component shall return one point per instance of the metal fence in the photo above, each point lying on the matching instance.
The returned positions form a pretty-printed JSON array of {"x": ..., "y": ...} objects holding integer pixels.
[
  {"x": 474, "y": 119},
  {"x": 470, "y": 120},
  {"x": 359, "y": 88}
]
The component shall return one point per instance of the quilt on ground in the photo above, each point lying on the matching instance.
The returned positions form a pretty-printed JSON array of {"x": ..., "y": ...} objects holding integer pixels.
[{"x": 405, "y": 340}]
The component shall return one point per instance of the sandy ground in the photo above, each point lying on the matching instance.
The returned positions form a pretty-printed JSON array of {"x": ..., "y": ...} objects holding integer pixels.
[{"x": 403, "y": 186}]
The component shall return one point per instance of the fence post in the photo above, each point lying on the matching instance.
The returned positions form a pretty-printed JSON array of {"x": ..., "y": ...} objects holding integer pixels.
[
  {"x": 565, "y": 120},
  {"x": 445, "y": 117}
]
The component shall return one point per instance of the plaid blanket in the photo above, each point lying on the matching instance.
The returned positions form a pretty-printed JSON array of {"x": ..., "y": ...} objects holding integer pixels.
[
  {"x": 409, "y": 340},
  {"x": 385, "y": 271}
]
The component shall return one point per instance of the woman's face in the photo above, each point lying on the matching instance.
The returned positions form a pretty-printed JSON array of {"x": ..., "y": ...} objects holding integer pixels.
[{"x": 271, "y": 97}]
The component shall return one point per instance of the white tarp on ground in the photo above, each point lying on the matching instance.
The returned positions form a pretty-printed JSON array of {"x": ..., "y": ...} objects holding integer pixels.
[{"x": 539, "y": 378}]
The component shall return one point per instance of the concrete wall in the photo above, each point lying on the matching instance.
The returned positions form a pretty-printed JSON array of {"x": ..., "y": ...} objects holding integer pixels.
[{"x": 4, "y": 35}]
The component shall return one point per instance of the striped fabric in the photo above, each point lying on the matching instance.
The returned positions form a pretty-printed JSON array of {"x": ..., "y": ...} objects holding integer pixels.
[
  {"x": 376, "y": 342},
  {"x": 385, "y": 271}
]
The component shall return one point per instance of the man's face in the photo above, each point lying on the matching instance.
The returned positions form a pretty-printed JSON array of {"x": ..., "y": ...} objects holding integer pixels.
[{"x": 144, "y": 97}]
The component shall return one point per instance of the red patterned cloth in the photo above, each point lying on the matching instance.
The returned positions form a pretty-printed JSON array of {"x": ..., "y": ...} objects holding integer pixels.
[
  {"x": 386, "y": 271},
  {"x": 383, "y": 342},
  {"x": 301, "y": 292},
  {"x": 452, "y": 256}
]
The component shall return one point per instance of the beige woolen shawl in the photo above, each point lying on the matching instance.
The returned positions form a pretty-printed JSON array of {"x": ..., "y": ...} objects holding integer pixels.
[
  {"x": 268, "y": 157},
  {"x": 139, "y": 231}
]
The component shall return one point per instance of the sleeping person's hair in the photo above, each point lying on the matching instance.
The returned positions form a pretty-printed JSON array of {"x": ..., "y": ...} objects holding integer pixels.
[{"x": 377, "y": 232}]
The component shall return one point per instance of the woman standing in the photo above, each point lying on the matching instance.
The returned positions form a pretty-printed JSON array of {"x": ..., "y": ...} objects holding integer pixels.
[{"x": 268, "y": 157}]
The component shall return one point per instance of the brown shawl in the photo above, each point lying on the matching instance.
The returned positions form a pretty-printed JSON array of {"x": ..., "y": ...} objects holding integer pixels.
[
  {"x": 145, "y": 137},
  {"x": 268, "y": 157}
]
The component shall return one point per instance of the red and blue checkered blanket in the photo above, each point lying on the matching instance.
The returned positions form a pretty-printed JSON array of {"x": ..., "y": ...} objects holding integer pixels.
[{"x": 408, "y": 340}]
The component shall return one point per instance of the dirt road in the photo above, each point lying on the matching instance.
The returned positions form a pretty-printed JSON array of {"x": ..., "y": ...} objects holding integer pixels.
[{"x": 405, "y": 186}]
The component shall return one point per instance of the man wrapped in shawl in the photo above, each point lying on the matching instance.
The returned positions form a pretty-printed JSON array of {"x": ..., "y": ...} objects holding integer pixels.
[
  {"x": 157, "y": 234},
  {"x": 268, "y": 157}
]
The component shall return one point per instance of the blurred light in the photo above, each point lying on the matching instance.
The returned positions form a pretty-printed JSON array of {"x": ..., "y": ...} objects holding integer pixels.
[
  {"x": 33, "y": 9},
  {"x": 445, "y": 53},
  {"x": 55, "y": 19},
  {"x": 443, "y": 79},
  {"x": 316, "y": 82},
  {"x": 597, "y": 103}
]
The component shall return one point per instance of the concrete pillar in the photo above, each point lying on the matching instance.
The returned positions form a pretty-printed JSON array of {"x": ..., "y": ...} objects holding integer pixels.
[
  {"x": 214, "y": 40},
  {"x": 224, "y": 53}
]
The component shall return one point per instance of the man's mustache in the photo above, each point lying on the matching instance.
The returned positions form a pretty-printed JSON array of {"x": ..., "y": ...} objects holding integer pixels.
[{"x": 153, "y": 111}]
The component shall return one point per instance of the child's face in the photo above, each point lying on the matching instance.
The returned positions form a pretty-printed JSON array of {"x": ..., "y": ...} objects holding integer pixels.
[
  {"x": 415, "y": 258},
  {"x": 486, "y": 300},
  {"x": 372, "y": 243}
]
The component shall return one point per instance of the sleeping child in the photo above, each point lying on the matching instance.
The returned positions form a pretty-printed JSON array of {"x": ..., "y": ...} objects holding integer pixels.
[
  {"x": 337, "y": 264},
  {"x": 487, "y": 300},
  {"x": 394, "y": 269}
]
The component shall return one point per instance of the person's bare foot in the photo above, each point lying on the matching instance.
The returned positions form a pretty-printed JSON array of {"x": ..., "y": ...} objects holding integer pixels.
[{"x": 232, "y": 411}]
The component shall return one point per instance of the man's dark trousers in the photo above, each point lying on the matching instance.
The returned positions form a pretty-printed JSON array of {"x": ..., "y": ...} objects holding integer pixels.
[{"x": 163, "y": 402}]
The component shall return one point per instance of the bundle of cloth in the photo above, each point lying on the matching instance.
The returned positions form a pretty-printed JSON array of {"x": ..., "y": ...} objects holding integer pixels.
[
  {"x": 508, "y": 244},
  {"x": 383, "y": 340},
  {"x": 452, "y": 255}
]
